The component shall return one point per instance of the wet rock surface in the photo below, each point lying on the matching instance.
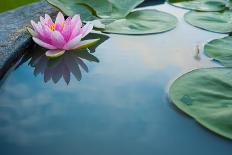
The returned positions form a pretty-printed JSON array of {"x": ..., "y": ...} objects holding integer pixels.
[{"x": 14, "y": 38}]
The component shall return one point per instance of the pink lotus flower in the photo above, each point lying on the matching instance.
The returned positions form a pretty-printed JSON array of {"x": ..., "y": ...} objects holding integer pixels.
[{"x": 62, "y": 35}]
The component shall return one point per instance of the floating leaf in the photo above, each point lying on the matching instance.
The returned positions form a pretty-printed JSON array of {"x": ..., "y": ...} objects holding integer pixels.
[
  {"x": 115, "y": 16},
  {"x": 71, "y": 8},
  {"x": 205, "y": 95},
  {"x": 121, "y": 8},
  {"x": 100, "y": 8},
  {"x": 220, "y": 50},
  {"x": 220, "y": 22},
  {"x": 200, "y": 5},
  {"x": 141, "y": 22},
  {"x": 229, "y": 4}
]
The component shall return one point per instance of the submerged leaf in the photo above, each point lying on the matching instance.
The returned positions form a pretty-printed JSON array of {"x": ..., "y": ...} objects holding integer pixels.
[
  {"x": 205, "y": 95},
  {"x": 220, "y": 22},
  {"x": 220, "y": 50}
]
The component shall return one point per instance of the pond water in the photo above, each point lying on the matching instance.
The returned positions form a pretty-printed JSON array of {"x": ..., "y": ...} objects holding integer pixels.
[{"x": 120, "y": 107}]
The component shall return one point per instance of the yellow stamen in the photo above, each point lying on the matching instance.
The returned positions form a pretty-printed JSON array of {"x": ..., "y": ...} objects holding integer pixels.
[
  {"x": 53, "y": 26},
  {"x": 62, "y": 24}
]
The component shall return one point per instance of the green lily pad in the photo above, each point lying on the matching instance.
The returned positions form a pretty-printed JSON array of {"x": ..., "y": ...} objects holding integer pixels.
[
  {"x": 205, "y": 95},
  {"x": 102, "y": 8},
  {"x": 200, "y": 5},
  {"x": 121, "y": 8},
  {"x": 220, "y": 50},
  {"x": 229, "y": 4},
  {"x": 72, "y": 8},
  {"x": 115, "y": 16},
  {"x": 99, "y": 8},
  {"x": 220, "y": 22},
  {"x": 140, "y": 22}
]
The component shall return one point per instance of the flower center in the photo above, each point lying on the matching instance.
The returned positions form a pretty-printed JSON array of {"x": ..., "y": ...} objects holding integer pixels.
[{"x": 53, "y": 26}]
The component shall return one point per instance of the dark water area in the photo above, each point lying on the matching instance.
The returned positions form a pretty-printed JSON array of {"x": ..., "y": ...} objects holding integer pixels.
[
  {"x": 151, "y": 2},
  {"x": 11, "y": 4},
  {"x": 119, "y": 107}
]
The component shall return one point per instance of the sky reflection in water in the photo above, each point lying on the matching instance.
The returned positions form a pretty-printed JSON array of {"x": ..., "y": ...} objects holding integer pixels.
[{"x": 119, "y": 108}]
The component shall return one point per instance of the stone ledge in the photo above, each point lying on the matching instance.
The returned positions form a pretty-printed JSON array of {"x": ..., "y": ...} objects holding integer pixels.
[{"x": 14, "y": 38}]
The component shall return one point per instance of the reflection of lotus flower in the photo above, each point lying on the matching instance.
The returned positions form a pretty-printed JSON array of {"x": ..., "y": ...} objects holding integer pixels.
[
  {"x": 62, "y": 35},
  {"x": 70, "y": 63},
  {"x": 55, "y": 69}
]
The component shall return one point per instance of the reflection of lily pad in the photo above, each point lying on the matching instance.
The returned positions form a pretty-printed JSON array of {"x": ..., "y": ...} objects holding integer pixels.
[
  {"x": 102, "y": 38},
  {"x": 205, "y": 95},
  {"x": 220, "y": 50},
  {"x": 200, "y": 5},
  {"x": 141, "y": 22},
  {"x": 220, "y": 22},
  {"x": 85, "y": 55},
  {"x": 116, "y": 16}
]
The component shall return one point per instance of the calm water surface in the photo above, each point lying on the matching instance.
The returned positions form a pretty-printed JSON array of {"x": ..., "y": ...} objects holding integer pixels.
[{"x": 120, "y": 107}]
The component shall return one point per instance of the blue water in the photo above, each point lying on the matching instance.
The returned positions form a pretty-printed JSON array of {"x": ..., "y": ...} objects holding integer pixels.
[{"x": 120, "y": 107}]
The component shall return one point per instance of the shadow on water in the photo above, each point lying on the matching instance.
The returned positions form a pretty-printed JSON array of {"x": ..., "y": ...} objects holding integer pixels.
[
  {"x": 151, "y": 2},
  {"x": 56, "y": 68}
]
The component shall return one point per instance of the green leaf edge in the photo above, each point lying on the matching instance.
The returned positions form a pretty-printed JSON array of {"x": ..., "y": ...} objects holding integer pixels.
[
  {"x": 185, "y": 19},
  {"x": 187, "y": 112},
  {"x": 95, "y": 41},
  {"x": 175, "y": 25},
  {"x": 209, "y": 44},
  {"x": 199, "y": 10}
]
